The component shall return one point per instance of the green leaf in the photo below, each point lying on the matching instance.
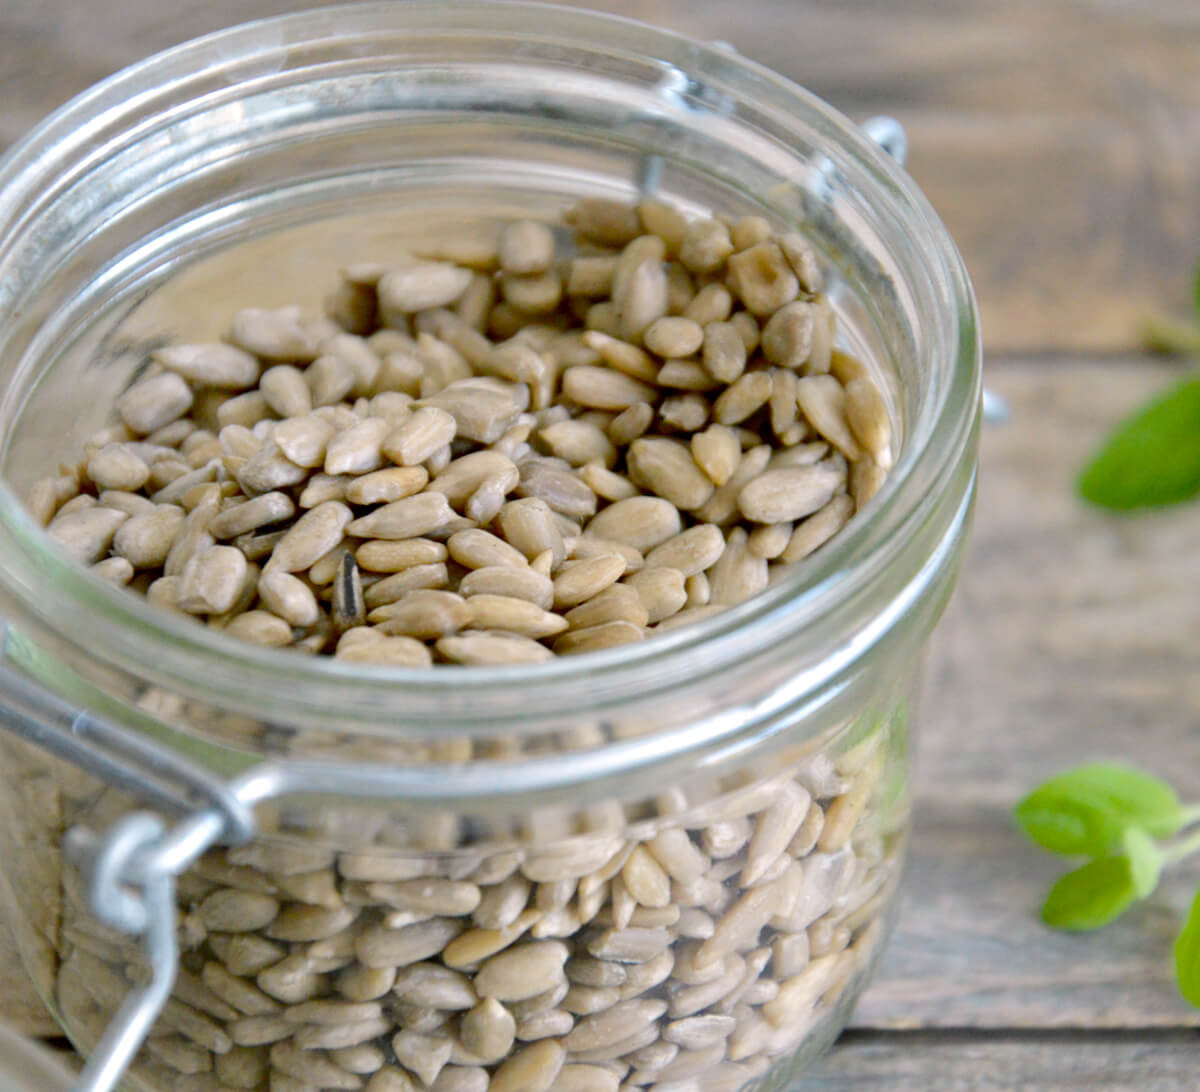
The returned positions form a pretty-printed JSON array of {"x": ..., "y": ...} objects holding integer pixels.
[
  {"x": 1086, "y": 811},
  {"x": 1091, "y": 896},
  {"x": 1153, "y": 458},
  {"x": 1187, "y": 956},
  {"x": 1146, "y": 861}
]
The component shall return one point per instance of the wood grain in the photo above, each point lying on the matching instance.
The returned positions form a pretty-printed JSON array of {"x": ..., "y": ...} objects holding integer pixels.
[
  {"x": 1069, "y": 638},
  {"x": 925, "y": 1062},
  {"x": 1060, "y": 142}
]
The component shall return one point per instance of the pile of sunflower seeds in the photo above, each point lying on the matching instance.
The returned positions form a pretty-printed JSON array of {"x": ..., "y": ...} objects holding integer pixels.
[
  {"x": 491, "y": 454},
  {"x": 689, "y": 953}
]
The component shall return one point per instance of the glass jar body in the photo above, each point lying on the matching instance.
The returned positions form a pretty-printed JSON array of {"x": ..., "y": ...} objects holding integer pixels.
[{"x": 690, "y": 852}]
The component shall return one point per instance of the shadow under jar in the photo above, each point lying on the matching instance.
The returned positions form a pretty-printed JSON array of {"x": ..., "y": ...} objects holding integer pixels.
[{"x": 666, "y": 866}]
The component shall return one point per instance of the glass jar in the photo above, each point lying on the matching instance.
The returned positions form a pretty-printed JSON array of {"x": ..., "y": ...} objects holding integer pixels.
[
  {"x": 25, "y": 1067},
  {"x": 664, "y": 866}
]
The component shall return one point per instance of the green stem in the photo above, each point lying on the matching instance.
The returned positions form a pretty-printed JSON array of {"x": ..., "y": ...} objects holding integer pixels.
[{"x": 1185, "y": 847}]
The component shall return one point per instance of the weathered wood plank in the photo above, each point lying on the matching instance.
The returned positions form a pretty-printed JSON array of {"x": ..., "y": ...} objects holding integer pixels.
[
  {"x": 1072, "y": 635},
  {"x": 1060, "y": 142},
  {"x": 938, "y": 1062}
]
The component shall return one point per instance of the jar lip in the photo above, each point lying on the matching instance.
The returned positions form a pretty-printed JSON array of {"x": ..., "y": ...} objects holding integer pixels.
[{"x": 175, "y": 651}]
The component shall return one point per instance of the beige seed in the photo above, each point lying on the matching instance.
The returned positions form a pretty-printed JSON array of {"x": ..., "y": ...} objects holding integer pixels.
[
  {"x": 761, "y": 277},
  {"x": 528, "y": 524},
  {"x": 231, "y": 911},
  {"x": 822, "y": 400},
  {"x": 787, "y": 337},
  {"x": 303, "y": 440},
  {"x": 263, "y": 472},
  {"x": 357, "y": 450},
  {"x": 533, "y": 1068},
  {"x": 483, "y": 409},
  {"x": 661, "y": 591},
  {"x": 818, "y": 528},
  {"x": 673, "y": 336},
  {"x": 289, "y": 597},
  {"x": 640, "y": 522},
  {"x": 272, "y": 335},
  {"x": 645, "y": 879},
  {"x": 462, "y": 477},
  {"x": 250, "y": 515},
  {"x": 604, "y": 221},
  {"x": 523, "y": 971},
  {"x": 868, "y": 419},
  {"x": 717, "y": 451},
  {"x": 607, "y": 484},
  {"x": 508, "y": 580},
  {"x": 597, "y": 637},
  {"x": 603, "y": 388},
  {"x": 690, "y": 552},
  {"x": 299, "y": 923},
  {"x": 419, "y": 287},
  {"x": 742, "y": 398},
  {"x": 383, "y": 556},
  {"x": 312, "y": 1068},
  {"x": 488, "y": 1031},
  {"x": 617, "y": 603},
  {"x": 408, "y": 518},
  {"x": 154, "y": 402},
  {"x": 789, "y": 493},
  {"x": 211, "y": 364},
  {"x": 114, "y": 570},
  {"x": 614, "y": 1025},
  {"x": 115, "y": 466},
  {"x": 665, "y": 221},
  {"x": 666, "y": 467},
  {"x": 738, "y": 574},
  {"x": 212, "y": 580},
  {"x": 725, "y": 352},
  {"x": 622, "y": 356},
  {"x": 286, "y": 391},
  {"x": 243, "y": 409},
  {"x": 260, "y": 627},
  {"x": 591, "y": 276},
  {"x": 579, "y": 443},
  {"x": 866, "y": 479},
  {"x": 312, "y": 536},
  {"x": 493, "y": 649},
  {"x": 393, "y": 588},
  {"x": 535, "y": 294},
  {"x": 424, "y": 614},
  {"x": 705, "y": 245},
  {"x": 425, "y": 1055},
  {"x": 379, "y": 946},
  {"x": 146, "y": 539},
  {"x": 477, "y": 549},
  {"x": 578, "y": 581},
  {"x": 801, "y": 257},
  {"x": 499, "y": 612},
  {"x": 392, "y": 1079},
  {"x": 387, "y": 651},
  {"x": 526, "y": 246},
  {"x": 456, "y": 1078}
]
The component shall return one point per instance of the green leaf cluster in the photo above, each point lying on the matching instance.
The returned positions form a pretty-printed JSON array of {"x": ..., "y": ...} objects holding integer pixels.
[{"x": 1119, "y": 818}]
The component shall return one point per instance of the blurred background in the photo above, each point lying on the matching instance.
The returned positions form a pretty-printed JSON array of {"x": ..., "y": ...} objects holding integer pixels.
[{"x": 1060, "y": 142}]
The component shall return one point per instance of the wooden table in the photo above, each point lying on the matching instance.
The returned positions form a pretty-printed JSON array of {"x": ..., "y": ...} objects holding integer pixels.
[{"x": 1060, "y": 140}]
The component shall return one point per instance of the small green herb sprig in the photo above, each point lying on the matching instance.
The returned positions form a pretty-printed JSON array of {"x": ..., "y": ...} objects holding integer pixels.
[
  {"x": 1153, "y": 457},
  {"x": 1130, "y": 826}
]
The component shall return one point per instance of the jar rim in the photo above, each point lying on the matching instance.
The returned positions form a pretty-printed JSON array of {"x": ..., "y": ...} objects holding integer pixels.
[{"x": 176, "y": 652}]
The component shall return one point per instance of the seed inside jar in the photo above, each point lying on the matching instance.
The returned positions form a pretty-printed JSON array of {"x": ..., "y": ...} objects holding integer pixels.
[
  {"x": 577, "y": 407},
  {"x": 536, "y": 450}
]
